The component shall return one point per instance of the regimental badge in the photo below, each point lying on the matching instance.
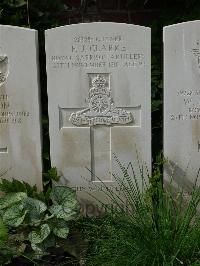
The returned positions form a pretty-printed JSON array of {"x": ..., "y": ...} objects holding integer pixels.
[{"x": 101, "y": 109}]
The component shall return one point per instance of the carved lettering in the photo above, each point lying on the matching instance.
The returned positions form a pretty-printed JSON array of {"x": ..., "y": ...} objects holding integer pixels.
[
  {"x": 7, "y": 115},
  {"x": 99, "y": 52},
  {"x": 191, "y": 105}
]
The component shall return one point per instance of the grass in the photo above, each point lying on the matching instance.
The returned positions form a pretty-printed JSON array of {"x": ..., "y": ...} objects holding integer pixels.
[{"x": 159, "y": 227}]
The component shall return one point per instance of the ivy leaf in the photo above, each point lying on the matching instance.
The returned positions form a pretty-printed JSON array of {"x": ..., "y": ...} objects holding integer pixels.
[
  {"x": 61, "y": 212},
  {"x": 35, "y": 208},
  {"x": 11, "y": 199},
  {"x": 37, "y": 237},
  {"x": 61, "y": 229},
  {"x": 14, "y": 215},
  {"x": 65, "y": 203},
  {"x": 40, "y": 249},
  {"x": 64, "y": 196},
  {"x": 52, "y": 174}
]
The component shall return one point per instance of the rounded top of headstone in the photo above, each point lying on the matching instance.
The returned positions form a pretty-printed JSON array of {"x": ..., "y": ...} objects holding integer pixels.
[
  {"x": 185, "y": 23},
  {"x": 98, "y": 24},
  {"x": 11, "y": 27}
]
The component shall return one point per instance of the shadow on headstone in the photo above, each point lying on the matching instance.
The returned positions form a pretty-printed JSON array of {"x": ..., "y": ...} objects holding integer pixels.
[{"x": 179, "y": 177}]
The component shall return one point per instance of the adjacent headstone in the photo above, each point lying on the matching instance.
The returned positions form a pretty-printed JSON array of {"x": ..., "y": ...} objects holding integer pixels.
[
  {"x": 20, "y": 139},
  {"x": 99, "y": 94},
  {"x": 182, "y": 103}
]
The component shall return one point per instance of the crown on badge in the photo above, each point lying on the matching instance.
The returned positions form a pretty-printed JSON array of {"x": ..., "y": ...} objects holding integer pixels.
[
  {"x": 99, "y": 82},
  {"x": 99, "y": 86}
]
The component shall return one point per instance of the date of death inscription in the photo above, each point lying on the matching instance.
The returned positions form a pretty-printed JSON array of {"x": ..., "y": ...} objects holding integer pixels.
[
  {"x": 188, "y": 105},
  {"x": 8, "y": 115},
  {"x": 99, "y": 52}
]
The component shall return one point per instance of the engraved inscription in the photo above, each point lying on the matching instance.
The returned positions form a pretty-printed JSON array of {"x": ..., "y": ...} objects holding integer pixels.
[
  {"x": 101, "y": 110},
  {"x": 190, "y": 100},
  {"x": 3, "y": 69},
  {"x": 8, "y": 115},
  {"x": 189, "y": 97},
  {"x": 99, "y": 51}
]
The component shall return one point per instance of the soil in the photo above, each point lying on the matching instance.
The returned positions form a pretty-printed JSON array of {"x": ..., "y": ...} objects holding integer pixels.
[{"x": 56, "y": 260}]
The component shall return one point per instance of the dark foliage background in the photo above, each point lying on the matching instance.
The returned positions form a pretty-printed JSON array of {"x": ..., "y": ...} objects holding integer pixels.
[{"x": 44, "y": 14}]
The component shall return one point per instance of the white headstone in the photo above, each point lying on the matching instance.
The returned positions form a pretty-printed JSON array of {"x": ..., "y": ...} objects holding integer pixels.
[
  {"x": 182, "y": 102},
  {"x": 99, "y": 94},
  {"x": 20, "y": 140}
]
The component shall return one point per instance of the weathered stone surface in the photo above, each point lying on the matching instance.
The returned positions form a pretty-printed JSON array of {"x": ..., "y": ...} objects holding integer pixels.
[
  {"x": 182, "y": 102},
  {"x": 20, "y": 140},
  {"x": 99, "y": 100}
]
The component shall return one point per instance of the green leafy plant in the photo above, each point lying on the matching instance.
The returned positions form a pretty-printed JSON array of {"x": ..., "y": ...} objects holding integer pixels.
[
  {"x": 3, "y": 233},
  {"x": 36, "y": 225},
  {"x": 14, "y": 185},
  {"x": 150, "y": 231},
  {"x": 5, "y": 254},
  {"x": 50, "y": 176}
]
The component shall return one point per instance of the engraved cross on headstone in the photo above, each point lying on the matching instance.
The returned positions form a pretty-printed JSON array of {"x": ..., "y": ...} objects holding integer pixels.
[{"x": 100, "y": 116}]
